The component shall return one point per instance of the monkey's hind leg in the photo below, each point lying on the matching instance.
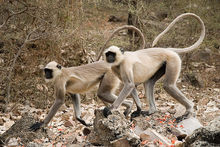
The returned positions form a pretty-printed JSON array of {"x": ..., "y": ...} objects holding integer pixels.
[
  {"x": 107, "y": 86},
  {"x": 76, "y": 104},
  {"x": 171, "y": 76},
  {"x": 109, "y": 97},
  {"x": 149, "y": 90}
]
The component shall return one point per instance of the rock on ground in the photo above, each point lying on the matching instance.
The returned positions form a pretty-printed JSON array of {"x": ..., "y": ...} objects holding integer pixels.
[
  {"x": 20, "y": 129},
  {"x": 112, "y": 131},
  {"x": 205, "y": 136}
]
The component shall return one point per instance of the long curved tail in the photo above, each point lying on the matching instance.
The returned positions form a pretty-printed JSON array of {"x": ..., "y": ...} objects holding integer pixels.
[
  {"x": 187, "y": 49},
  {"x": 119, "y": 29}
]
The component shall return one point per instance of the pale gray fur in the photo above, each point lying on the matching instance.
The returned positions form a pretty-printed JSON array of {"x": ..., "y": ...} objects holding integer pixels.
[
  {"x": 141, "y": 66},
  {"x": 80, "y": 79},
  {"x": 187, "y": 49}
]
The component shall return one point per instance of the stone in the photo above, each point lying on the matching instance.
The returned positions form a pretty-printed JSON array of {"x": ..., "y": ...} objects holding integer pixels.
[
  {"x": 122, "y": 142},
  {"x": 68, "y": 124},
  {"x": 205, "y": 136},
  {"x": 186, "y": 127},
  {"x": 21, "y": 129},
  {"x": 151, "y": 135},
  {"x": 112, "y": 130}
]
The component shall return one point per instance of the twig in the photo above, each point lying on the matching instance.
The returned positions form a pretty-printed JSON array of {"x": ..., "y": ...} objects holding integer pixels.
[
  {"x": 42, "y": 20},
  {"x": 13, "y": 14}
]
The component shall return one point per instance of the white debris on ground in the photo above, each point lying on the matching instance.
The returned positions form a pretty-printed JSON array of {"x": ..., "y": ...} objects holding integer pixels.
[{"x": 64, "y": 129}]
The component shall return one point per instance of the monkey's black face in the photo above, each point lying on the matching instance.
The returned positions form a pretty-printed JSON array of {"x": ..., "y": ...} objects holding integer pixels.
[
  {"x": 48, "y": 73},
  {"x": 110, "y": 57}
]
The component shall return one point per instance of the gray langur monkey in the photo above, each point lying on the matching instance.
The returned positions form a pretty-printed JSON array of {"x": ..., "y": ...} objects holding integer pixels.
[
  {"x": 80, "y": 79},
  {"x": 147, "y": 66}
]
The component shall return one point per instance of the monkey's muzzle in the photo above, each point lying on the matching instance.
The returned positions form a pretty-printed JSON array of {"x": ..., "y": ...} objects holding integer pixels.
[
  {"x": 48, "y": 73},
  {"x": 110, "y": 57}
]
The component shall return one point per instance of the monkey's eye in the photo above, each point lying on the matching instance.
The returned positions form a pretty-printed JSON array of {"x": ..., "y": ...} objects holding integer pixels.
[
  {"x": 122, "y": 50},
  {"x": 109, "y": 53},
  {"x": 59, "y": 66}
]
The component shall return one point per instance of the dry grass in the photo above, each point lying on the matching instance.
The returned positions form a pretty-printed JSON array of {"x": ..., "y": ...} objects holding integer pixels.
[{"x": 73, "y": 29}]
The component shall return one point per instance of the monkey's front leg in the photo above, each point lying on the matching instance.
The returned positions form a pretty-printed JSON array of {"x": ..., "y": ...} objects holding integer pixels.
[
  {"x": 136, "y": 113},
  {"x": 77, "y": 110},
  {"x": 128, "y": 87},
  {"x": 57, "y": 104}
]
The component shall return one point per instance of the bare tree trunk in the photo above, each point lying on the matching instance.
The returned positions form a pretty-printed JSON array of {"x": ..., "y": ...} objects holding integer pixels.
[
  {"x": 132, "y": 16},
  {"x": 133, "y": 20}
]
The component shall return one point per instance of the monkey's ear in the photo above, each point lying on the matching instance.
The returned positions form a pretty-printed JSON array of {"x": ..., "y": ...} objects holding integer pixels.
[
  {"x": 122, "y": 50},
  {"x": 59, "y": 66}
]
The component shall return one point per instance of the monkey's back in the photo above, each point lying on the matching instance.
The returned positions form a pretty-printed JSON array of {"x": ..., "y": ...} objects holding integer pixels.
[
  {"x": 83, "y": 78},
  {"x": 147, "y": 61}
]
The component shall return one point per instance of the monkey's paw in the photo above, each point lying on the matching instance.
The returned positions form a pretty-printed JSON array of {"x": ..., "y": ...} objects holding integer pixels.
[
  {"x": 145, "y": 113},
  {"x": 83, "y": 122},
  {"x": 106, "y": 112},
  {"x": 135, "y": 114},
  {"x": 185, "y": 116},
  {"x": 36, "y": 126}
]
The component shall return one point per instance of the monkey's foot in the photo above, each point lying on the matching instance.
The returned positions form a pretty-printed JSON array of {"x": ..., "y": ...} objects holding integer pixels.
[
  {"x": 185, "y": 116},
  {"x": 140, "y": 112},
  {"x": 135, "y": 114},
  {"x": 147, "y": 113},
  {"x": 106, "y": 112},
  {"x": 36, "y": 126},
  {"x": 83, "y": 122}
]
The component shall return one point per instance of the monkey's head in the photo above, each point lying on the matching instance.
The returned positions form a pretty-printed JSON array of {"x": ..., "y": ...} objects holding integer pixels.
[
  {"x": 52, "y": 70},
  {"x": 114, "y": 55}
]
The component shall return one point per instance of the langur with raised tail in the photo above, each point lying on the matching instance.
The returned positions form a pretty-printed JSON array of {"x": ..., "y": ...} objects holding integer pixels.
[{"x": 146, "y": 66}]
